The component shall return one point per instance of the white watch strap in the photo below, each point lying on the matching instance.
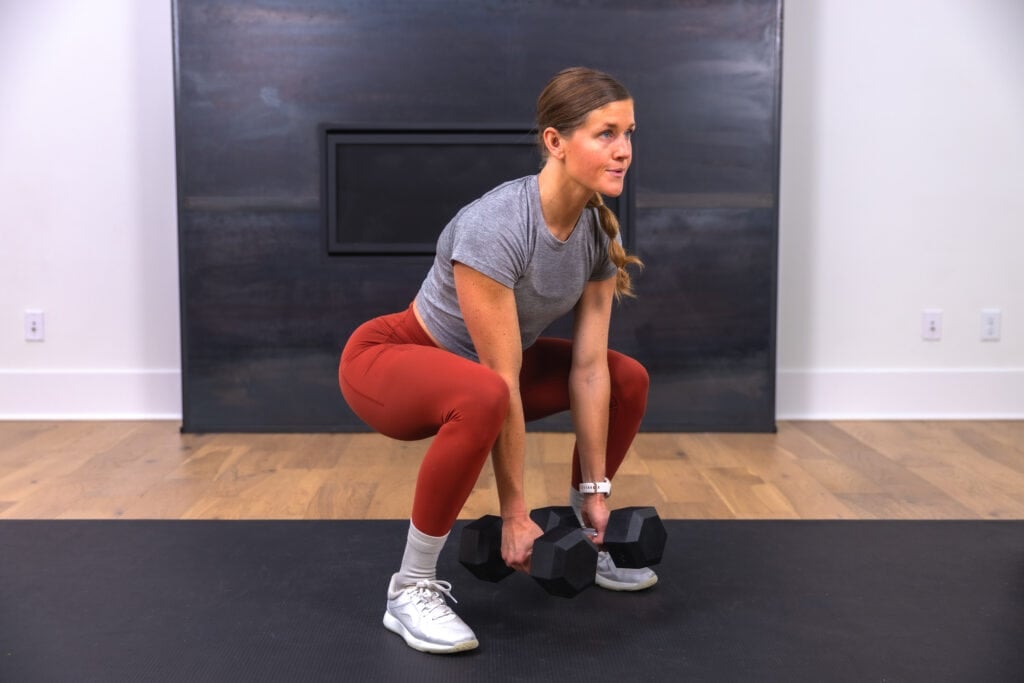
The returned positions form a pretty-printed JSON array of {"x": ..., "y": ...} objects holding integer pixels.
[{"x": 604, "y": 487}]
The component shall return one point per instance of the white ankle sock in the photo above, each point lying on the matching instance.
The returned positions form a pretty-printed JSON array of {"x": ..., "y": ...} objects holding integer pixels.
[{"x": 420, "y": 559}]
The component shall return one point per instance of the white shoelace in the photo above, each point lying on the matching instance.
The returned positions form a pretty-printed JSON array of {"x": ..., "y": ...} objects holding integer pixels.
[{"x": 426, "y": 595}]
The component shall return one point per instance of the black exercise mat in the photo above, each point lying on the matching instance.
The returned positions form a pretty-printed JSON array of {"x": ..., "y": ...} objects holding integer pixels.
[{"x": 302, "y": 601}]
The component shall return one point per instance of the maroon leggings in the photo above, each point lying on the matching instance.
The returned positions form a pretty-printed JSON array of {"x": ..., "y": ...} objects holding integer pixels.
[{"x": 398, "y": 382}]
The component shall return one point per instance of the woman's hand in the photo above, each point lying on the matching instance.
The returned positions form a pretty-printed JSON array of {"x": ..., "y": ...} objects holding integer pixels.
[
  {"x": 595, "y": 515},
  {"x": 517, "y": 537}
]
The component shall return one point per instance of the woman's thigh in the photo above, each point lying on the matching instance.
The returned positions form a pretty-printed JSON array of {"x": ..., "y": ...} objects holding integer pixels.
[{"x": 408, "y": 391}]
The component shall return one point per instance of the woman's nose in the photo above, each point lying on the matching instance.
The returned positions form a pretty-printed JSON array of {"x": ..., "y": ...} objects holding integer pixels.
[{"x": 624, "y": 149}]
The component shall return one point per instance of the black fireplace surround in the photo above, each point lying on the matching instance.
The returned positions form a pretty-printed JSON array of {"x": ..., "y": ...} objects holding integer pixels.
[{"x": 323, "y": 145}]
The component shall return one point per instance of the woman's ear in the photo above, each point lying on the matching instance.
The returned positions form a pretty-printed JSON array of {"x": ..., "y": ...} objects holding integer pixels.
[{"x": 553, "y": 142}]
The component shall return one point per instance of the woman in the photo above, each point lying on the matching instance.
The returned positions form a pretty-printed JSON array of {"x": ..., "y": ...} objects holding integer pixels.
[{"x": 464, "y": 362}]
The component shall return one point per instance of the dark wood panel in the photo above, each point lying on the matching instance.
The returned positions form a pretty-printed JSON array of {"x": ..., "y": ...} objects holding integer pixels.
[{"x": 265, "y": 310}]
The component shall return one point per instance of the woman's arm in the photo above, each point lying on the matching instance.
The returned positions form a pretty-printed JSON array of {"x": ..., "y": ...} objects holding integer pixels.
[
  {"x": 489, "y": 310},
  {"x": 590, "y": 392}
]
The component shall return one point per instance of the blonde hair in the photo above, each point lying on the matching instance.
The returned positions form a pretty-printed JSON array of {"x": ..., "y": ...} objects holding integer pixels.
[{"x": 564, "y": 105}]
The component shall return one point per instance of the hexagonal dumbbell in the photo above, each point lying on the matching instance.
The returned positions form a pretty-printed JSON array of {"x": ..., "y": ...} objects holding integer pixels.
[
  {"x": 480, "y": 549},
  {"x": 564, "y": 561},
  {"x": 555, "y": 516},
  {"x": 635, "y": 537}
]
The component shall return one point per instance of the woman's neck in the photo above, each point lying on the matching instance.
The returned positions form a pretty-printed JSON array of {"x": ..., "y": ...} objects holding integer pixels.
[{"x": 562, "y": 200}]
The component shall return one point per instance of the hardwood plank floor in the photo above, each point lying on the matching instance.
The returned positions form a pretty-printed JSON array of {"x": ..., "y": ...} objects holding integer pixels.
[{"x": 808, "y": 470}]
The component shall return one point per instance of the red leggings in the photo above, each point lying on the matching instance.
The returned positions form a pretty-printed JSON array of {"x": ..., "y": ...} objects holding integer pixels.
[{"x": 398, "y": 382}]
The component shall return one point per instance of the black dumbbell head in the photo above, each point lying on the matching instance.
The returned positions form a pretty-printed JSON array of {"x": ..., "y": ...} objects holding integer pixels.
[
  {"x": 635, "y": 537},
  {"x": 554, "y": 516},
  {"x": 480, "y": 549},
  {"x": 564, "y": 562}
]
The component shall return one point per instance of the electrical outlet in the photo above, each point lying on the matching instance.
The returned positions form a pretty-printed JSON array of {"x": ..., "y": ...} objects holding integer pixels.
[
  {"x": 35, "y": 328},
  {"x": 991, "y": 322},
  {"x": 931, "y": 324}
]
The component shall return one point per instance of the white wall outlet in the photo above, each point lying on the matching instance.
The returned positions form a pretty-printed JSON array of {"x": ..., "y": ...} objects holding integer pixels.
[
  {"x": 931, "y": 324},
  {"x": 991, "y": 324},
  {"x": 35, "y": 328}
]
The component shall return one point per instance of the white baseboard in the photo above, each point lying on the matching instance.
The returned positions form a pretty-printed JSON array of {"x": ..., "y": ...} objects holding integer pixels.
[
  {"x": 969, "y": 394},
  {"x": 90, "y": 394}
]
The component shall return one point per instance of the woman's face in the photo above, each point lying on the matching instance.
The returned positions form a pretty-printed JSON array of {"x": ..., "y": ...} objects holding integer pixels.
[{"x": 597, "y": 154}]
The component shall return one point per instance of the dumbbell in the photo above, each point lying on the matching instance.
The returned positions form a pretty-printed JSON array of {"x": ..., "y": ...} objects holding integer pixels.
[
  {"x": 564, "y": 560},
  {"x": 634, "y": 537}
]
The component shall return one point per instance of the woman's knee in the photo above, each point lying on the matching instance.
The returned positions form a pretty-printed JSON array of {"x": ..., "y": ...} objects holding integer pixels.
[
  {"x": 484, "y": 403},
  {"x": 629, "y": 379}
]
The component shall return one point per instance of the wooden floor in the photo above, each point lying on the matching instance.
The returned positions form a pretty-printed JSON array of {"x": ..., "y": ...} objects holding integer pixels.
[{"x": 808, "y": 470}]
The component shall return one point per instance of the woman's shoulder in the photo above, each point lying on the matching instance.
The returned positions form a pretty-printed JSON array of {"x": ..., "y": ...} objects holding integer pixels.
[
  {"x": 493, "y": 234},
  {"x": 510, "y": 197}
]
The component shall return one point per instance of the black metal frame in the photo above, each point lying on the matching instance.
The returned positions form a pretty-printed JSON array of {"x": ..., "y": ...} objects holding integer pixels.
[{"x": 333, "y": 136}]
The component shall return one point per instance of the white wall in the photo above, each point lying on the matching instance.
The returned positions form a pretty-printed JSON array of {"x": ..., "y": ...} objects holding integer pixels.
[
  {"x": 901, "y": 189},
  {"x": 87, "y": 209}
]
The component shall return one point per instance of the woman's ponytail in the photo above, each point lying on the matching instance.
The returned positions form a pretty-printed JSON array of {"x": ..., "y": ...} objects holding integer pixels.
[{"x": 618, "y": 255}]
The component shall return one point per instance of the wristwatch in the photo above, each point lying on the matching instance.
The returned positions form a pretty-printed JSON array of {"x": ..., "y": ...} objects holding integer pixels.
[{"x": 604, "y": 487}]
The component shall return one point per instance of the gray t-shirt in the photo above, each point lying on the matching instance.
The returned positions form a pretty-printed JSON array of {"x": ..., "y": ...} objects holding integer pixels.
[{"x": 503, "y": 235}]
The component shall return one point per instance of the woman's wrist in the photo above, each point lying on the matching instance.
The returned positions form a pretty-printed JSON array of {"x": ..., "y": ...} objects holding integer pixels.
[
  {"x": 602, "y": 486},
  {"x": 516, "y": 510}
]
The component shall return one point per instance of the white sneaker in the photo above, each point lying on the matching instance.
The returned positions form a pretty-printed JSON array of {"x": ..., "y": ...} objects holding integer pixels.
[
  {"x": 615, "y": 579},
  {"x": 421, "y": 616}
]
